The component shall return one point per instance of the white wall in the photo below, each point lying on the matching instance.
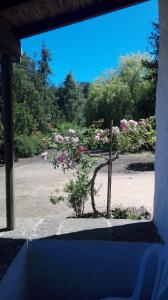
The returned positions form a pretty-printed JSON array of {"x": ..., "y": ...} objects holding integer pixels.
[{"x": 161, "y": 166}]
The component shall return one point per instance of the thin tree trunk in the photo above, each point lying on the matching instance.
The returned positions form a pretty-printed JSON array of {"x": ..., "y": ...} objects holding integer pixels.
[
  {"x": 97, "y": 169},
  {"x": 109, "y": 173}
]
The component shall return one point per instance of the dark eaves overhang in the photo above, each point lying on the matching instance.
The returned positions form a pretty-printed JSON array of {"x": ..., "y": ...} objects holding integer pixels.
[
  {"x": 10, "y": 36},
  {"x": 100, "y": 8}
]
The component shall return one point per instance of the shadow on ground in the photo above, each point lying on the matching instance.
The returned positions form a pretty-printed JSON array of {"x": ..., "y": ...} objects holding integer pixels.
[
  {"x": 135, "y": 232},
  {"x": 141, "y": 167}
]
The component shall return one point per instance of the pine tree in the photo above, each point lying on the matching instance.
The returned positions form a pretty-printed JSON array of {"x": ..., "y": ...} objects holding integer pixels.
[{"x": 71, "y": 100}]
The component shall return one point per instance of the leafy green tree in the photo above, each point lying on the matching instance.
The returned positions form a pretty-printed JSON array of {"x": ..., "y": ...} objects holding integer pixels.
[
  {"x": 85, "y": 88},
  {"x": 153, "y": 50},
  {"x": 108, "y": 99},
  {"x": 23, "y": 120},
  {"x": 133, "y": 72},
  {"x": 43, "y": 64},
  {"x": 122, "y": 93},
  {"x": 31, "y": 88},
  {"x": 152, "y": 65},
  {"x": 71, "y": 100}
]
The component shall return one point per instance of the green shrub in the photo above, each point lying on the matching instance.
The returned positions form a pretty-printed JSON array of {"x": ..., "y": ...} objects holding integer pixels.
[
  {"x": 78, "y": 189},
  {"x": 27, "y": 146},
  {"x": 63, "y": 128},
  {"x": 119, "y": 213}
]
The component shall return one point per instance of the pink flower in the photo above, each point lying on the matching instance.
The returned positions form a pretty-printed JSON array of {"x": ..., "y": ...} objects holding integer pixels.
[
  {"x": 133, "y": 123},
  {"x": 62, "y": 157},
  {"x": 58, "y": 138},
  {"x": 82, "y": 149},
  {"x": 123, "y": 125}
]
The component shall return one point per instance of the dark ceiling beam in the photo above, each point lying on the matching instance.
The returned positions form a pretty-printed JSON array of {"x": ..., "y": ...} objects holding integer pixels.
[
  {"x": 82, "y": 14},
  {"x": 7, "y": 4},
  {"x": 9, "y": 43}
]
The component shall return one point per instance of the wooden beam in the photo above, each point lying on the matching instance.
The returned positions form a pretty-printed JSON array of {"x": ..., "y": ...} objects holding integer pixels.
[
  {"x": 109, "y": 172},
  {"x": 9, "y": 43},
  {"x": 7, "y": 4},
  {"x": 6, "y": 69},
  {"x": 96, "y": 9}
]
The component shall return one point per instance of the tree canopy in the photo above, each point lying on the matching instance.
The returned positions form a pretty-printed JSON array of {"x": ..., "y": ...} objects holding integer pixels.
[{"x": 126, "y": 92}]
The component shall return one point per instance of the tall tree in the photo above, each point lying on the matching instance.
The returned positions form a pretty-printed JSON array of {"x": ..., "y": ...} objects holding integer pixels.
[
  {"x": 71, "y": 100},
  {"x": 132, "y": 71},
  {"x": 108, "y": 99},
  {"x": 33, "y": 95},
  {"x": 43, "y": 64},
  {"x": 152, "y": 65}
]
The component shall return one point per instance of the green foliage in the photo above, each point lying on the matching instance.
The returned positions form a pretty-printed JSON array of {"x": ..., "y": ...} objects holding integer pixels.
[
  {"x": 141, "y": 137},
  {"x": 40, "y": 106},
  {"x": 72, "y": 100},
  {"x": 34, "y": 96},
  {"x": 26, "y": 146},
  {"x": 56, "y": 199},
  {"x": 108, "y": 99},
  {"x": 119, "y": 213},
  {"x": 63, "y": 128},
  {"x": 91, "y": 142},
  {"x": 130, "y": 142},
  {"x": 127, "y": 92},
  {"x": 78, "y": 189},
  {"x": 123, "y": 93},
  {"x": 1, "y": 131},
  {"x": 23, "y": 120},
  {"x": 152, "y": 71},
  {"x": 43, "y": 64}
]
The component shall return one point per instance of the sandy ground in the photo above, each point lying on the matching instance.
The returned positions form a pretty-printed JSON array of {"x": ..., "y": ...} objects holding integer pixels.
[
  {"x": 36, "y": 217},
  {"x": 36, "y": 180}
]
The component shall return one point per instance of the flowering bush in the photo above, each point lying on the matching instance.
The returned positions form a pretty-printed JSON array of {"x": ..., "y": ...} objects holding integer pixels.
[
  {"x": 136, "y": 136},
  {"x": 68, "y": 150},
  {"x": 131, "y": 136},
  {"x": 71, "y": 152}
]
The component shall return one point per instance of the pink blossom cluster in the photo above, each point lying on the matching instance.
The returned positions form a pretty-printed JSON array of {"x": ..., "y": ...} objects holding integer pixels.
[
  {"x": 70, "y": 140},
  {"x": 124, "y": 125},
  {"x": 115, "y": 130},
  {"x": 58, "y": 138},
  {"x": 128, "y": 125},
  {"x": 133, "y": 123},
  {"x": 65, "y": 160},
  {"x": 68, "y": 160},
  {"x": 61, "y": 158},
  {"x": 101, "y": 136}
]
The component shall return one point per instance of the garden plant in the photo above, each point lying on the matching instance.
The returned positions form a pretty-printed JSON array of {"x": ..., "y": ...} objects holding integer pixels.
[{"x": 80, "y": 153}]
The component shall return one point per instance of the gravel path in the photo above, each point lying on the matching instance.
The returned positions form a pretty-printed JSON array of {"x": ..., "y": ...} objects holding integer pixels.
[{"x": 36, "y": 217}]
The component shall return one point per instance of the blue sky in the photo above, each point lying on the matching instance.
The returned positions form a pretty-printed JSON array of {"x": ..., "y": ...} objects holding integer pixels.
[{"x": 91, "y": 47}]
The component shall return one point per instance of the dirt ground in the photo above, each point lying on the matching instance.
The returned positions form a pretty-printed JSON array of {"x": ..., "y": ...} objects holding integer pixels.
[
  {"x": 36, "y": 217},
  {"x": 36, "y": 180}
]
